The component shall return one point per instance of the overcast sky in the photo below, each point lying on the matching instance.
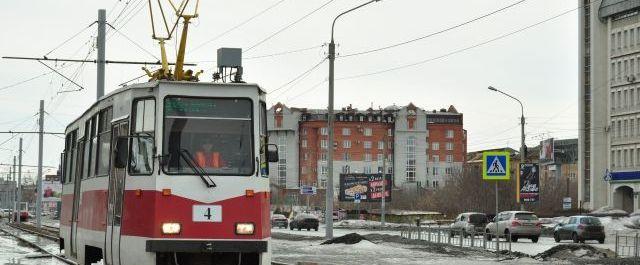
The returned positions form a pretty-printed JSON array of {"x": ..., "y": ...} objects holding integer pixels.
[{"x": 538, "y": 65}]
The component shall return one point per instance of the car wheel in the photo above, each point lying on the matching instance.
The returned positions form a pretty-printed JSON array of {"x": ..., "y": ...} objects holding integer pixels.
[
  {"x": 514, "y": 239},
  {"x": 316, "y": 228},
  {"x": 299, "y": 228},
  {"x": 291, "y": 227},
  {"x": 452, "y": 234},
  {"x": 601, "y": 241},
  {"x": 308, "y": 229},
  {"x": 574, "y": 237},
  {"x": 465, "y": 234},
  {"x": 556, "y": 237},
  {"x": 534, "y": 239},
  {"x": 487, "y": 235}
]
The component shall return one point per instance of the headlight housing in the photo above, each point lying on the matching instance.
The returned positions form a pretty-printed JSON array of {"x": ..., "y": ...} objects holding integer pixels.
[
  {"x": 171, "y": 228},
  {"x": 245, "y": 228}
]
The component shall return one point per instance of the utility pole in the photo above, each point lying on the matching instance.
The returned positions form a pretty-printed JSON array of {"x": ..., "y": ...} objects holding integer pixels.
[
  {"x": 14, "y": 189},
  {"x": 39, "y": 182},
  {"x": 329, "y": 192},
  {"x": 19, "y": 199},
  {"x": 102, "y": 22}
]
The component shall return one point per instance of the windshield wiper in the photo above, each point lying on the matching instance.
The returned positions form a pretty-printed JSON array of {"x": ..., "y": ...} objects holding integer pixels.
[{"x": 184, "y": 153}]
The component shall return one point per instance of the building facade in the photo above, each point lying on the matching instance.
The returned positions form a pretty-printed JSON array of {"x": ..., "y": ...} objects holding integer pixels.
[
  {"x": 419, "y": 148},
  {"x": 609, "y": 138}
]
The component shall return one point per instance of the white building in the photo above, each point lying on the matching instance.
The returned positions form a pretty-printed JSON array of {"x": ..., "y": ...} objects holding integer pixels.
[{"x": 609, "y": 96}]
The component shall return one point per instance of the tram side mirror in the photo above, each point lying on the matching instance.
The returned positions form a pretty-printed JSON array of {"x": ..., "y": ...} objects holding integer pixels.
[
  {"x": 272, "y": 153},
  {"x": 121, "y": 152}
]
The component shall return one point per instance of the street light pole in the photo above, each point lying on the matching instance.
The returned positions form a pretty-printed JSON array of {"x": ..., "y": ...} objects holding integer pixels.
[
  {"x": 329, "y": 190},
  {"x": 523, "y": 156}
]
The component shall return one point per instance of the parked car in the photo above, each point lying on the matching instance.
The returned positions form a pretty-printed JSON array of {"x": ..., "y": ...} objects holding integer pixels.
[
  {"x": 5, "y": 213},
  {"x": 468, "y": 224},
  {"x": 580, "y": 228},
  {"x": 518, "y": 224},
  {"x": 279, "y": 220},
  {"x": 24, "y": 216},
  {"x": 304, "y": 221}
]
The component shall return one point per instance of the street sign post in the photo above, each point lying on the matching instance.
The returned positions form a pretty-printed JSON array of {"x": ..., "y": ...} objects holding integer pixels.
[{"x": 495, "y": 166}]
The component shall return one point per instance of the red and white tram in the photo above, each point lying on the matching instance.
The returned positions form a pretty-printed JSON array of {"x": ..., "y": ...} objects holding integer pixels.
[{"x": 169, "y": 172}]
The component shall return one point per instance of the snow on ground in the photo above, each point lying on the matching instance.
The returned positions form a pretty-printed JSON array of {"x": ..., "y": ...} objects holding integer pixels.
[{"x": 14, "y": 252}]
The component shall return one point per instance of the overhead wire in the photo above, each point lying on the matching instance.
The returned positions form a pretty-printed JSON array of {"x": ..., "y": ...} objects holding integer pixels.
[
  {"x": 287, "y": 26},
  {"x": 302, "y": 75},
  {"x": 133, "y": 42},
  {"x": 237, "y": 26},
  {"x": 70, "y": 38},
  {"x": 434, "y": 33},
  {"x": 458, "y": 50}
]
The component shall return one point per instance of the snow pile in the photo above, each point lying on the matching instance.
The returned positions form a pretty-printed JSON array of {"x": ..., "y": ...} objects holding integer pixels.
[
  {"x": 608, "y": 211},
  {"x": 574, "y": 251},
  {"x": 348, "y": 239}
]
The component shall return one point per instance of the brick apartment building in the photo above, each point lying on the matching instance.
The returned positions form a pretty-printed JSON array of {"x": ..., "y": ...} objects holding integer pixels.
[{"x": 422, "y": 148}]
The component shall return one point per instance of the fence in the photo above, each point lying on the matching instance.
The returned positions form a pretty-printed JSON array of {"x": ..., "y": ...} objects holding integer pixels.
[
  {"x": 445, "y": 235},
  {"x": 627, "y": 246}
]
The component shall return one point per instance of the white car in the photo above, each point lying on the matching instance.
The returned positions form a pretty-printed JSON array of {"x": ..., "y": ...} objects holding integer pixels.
[
  {"x": 5, "y": 213},
  {"x": 518, "y": 224}
]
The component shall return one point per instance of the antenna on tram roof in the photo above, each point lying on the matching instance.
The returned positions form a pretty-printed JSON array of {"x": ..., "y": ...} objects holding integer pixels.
[{"x": 164, "y": 73}]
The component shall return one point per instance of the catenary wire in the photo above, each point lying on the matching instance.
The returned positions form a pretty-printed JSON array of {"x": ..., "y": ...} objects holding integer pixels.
[
  {"x": 300, "y": 75},
  {"x": 236, "y": 26},
  {"x": 287, "y": 26},
  {"x": 434, "y": 33}
]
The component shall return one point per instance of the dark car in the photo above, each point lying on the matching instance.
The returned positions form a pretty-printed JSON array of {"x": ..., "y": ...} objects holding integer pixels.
[
  {"x": 304, "y": 221},
  {"x": 279, "y": 220},
  {"x": 579, "y": 229}
]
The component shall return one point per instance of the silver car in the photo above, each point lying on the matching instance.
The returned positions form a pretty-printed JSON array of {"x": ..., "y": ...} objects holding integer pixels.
[
  {"x": 468, "y": 224},
  {"x": 518, "y": 224}
]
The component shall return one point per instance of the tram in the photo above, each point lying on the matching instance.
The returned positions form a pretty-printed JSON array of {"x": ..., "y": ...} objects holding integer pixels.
[{"x": 168, "y": 172}]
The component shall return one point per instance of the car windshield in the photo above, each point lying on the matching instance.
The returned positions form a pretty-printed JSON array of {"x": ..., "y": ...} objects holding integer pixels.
[
  {"x": 526, "y": 216},
  {"x": 213, "y": 133},
  {"x": 306, "y": 216},
  {"x": 278, "y": 216},
  {"x": 477, "y": 218},
  {"x": 590, "y": 221}
]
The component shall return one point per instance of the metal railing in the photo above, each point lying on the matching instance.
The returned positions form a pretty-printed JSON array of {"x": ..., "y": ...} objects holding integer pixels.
[
  {"x": 627, "y": 246},
  {"x": 459, "y": 238}
]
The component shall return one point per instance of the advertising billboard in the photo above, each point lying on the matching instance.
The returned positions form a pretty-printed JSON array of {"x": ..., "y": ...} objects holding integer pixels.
[
  {"x": 51, "y": 191},
  {"x": 546, "y": 152},
  {"x": 367, "y": 186},
  {"x": 529, "y": 182}
]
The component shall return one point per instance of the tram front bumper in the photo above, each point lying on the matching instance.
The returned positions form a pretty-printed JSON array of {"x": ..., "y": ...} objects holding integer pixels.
[{"x": 206, "y": 246}]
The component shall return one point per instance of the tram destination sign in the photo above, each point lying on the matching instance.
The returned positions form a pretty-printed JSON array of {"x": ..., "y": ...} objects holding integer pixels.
[
  {"x": 208, "y": 107},
  {"x": 367, "y": 186}
]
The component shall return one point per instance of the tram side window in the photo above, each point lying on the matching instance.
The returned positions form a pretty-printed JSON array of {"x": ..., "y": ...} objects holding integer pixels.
[
  {"x": 86, "y": 150},
  {"x": 141, "y": 159},
  {"x": 264, "y": 165},
  {"x": 104, "y": 142},
  {"x": 80, "y": 159},
  {"x": 70, "y": 156},
  {"x": 94, "y": 146}
]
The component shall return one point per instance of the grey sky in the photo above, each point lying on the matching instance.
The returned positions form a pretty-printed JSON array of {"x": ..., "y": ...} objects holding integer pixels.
[{"x": 538, "y": 65}]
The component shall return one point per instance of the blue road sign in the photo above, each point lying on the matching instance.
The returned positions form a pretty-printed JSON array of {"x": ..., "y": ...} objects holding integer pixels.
[
  {"x": 357, "y": 197},
  {"x": 495, "y": 166}
]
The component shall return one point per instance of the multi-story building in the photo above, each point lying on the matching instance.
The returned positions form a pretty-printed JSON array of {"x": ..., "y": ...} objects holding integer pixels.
[
  {"x": 406, "y": 140},
  {"x": 609, "y": 135}
]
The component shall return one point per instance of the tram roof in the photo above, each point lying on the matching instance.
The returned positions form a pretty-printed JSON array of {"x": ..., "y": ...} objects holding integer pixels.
[{"x": 156, "y": 83}]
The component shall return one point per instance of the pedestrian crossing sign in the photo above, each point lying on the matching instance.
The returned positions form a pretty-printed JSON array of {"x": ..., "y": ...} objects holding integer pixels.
[{"x": 495, "y": 166}]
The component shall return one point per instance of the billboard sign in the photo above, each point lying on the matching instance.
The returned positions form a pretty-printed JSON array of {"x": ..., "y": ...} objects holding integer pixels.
[
  {"x": 529, "y": 182},
  {"x": 308, "y": 190},
  {"x": 51, "y": 191},
  {"x": 546, "y": 152},
  {"x": 495, "y": 165},
  {"x": 367, "y": 186}
]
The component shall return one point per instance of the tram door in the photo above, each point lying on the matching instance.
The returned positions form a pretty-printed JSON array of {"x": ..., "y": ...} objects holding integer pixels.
[
  {"x": 116, "y": 196},
  {"x": 76, "y": 199}
]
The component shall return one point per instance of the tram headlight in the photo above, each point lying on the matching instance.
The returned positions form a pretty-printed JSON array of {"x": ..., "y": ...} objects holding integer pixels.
[
  {"x": 170, "y": 228},
  {"x": 245, "y": 228}
]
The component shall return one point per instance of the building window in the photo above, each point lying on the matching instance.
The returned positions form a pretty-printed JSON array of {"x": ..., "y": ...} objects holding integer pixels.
[
  {"x": 282, "y": 160},
  {"x": 368, "y": 132},
  {"x": 346, "y": 131},
  {"x": 448, "y": 171},
  {"x": 410, "y": 153},
  {"x": 367, "y": 157},
  {"x": 389, "y": 132},
  {"x": 324, "y": 131},
  {"x": 366, "y": 170},
  {"x": 323, "y": 157},
  {"x": 367, "y": 144},
  {"x": 380, "y": 145},
  {"x": 324, "y": 144},
  {"x": 346, "y": 169},
  {"x": 449, "y": 134},
  {"x": 380, "y": 158},
  {"x": 427, "y": 137},
  {"x": 306, "y": 156},
  {"x": 346, "y": 157},
  {"x": 304, "y": 131},
  {"x": 346, "y": 144},
  {"x": 436, "y": 158},
  {"x": 434, "y": 170},
  {"x": 304, "y": 143},
  {"x": 449, "y": 158},
  {"x": 449, "y": 146},
  {"x": 435, "y": 146}
]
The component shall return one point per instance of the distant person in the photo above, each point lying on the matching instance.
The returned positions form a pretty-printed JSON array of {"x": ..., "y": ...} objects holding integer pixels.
[{"x": 206, "y": 156}]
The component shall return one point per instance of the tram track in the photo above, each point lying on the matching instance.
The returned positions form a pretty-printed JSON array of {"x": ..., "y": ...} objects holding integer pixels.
[{"x": 7, "y": 230}]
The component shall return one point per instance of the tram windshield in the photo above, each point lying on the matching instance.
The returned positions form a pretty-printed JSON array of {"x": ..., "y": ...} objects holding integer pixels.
[{"x": 213, "y": 133}]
